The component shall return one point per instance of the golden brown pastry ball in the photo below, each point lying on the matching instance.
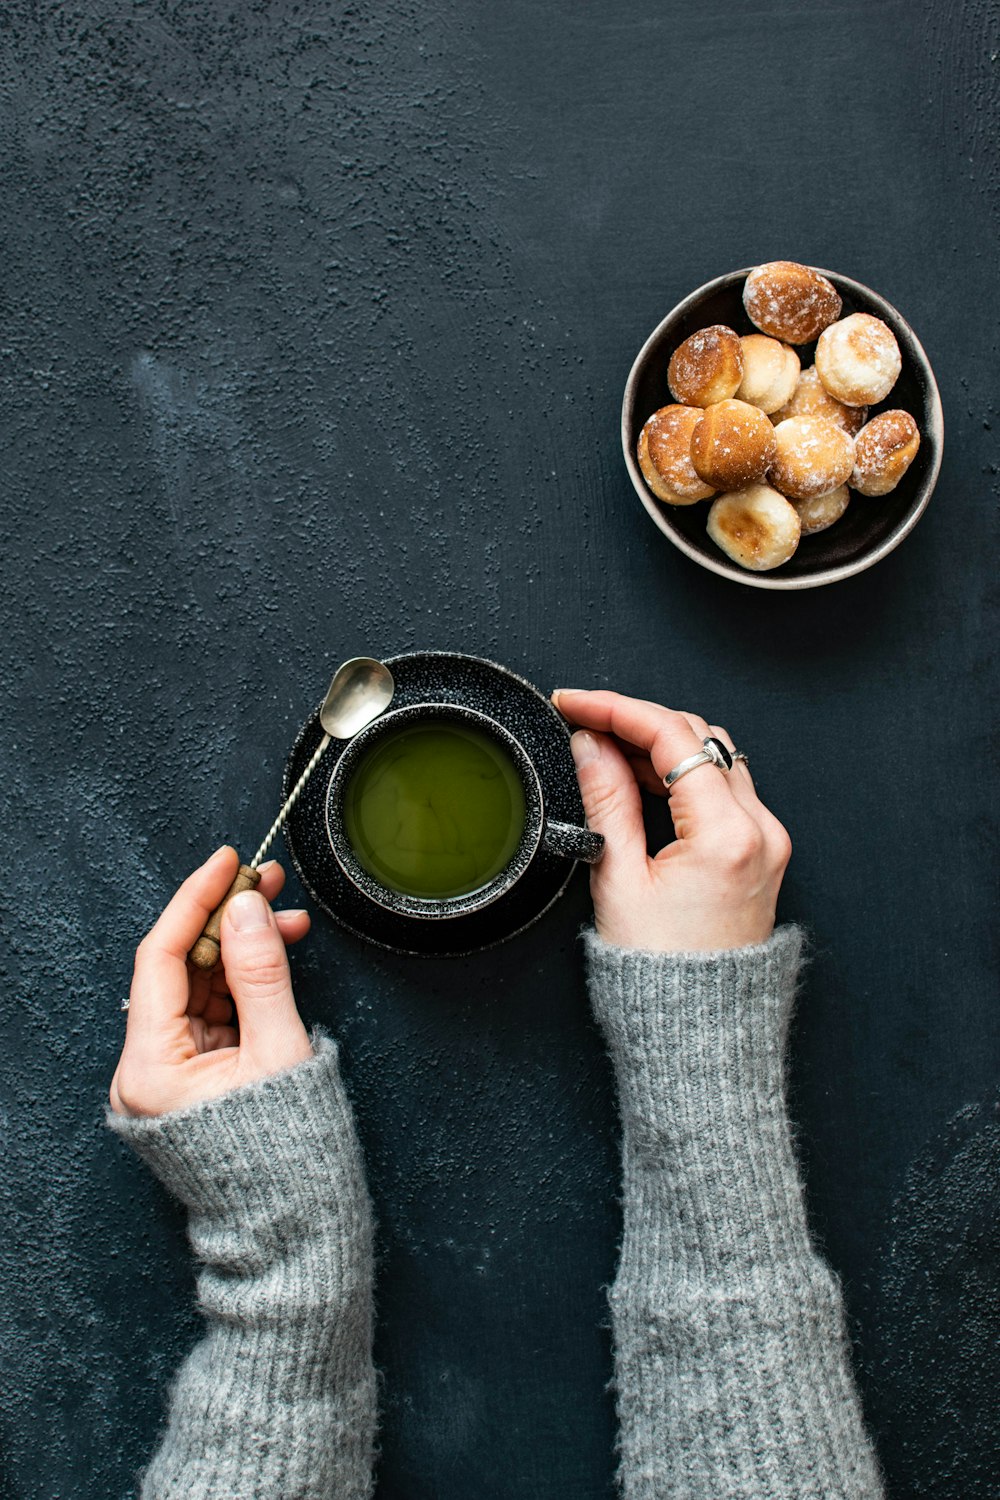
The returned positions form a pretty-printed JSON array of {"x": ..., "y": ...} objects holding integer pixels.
[
  {"x": 756, "y": 527},
  {"x": 789, "y": 301},
  {"x": 664, "y": 453},
  {"x": 811, "y": 399},
  {"x": 884, "y": 450},
  {"x": 822, "y": 510},
  {"x": 732, "y": 445},
  {"x": 770, "y": 372},
  {"x": 858, "y": 360},
  {"x": 707, "y": 367},
  {"x": 812, "y": 457}
]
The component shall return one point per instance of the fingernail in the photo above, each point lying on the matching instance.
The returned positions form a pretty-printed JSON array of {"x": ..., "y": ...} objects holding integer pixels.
[
  {"x": 268, "y": 864},
  {"x": 293, "y": 911},
  {"x": 247, "y": 911},
  {"x": 558, "y": 692},
  {"x": 584, "y": 747}
]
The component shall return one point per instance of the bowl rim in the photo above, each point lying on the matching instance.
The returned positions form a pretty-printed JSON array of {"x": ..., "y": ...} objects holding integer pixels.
[{"x": 722, "y": 566}]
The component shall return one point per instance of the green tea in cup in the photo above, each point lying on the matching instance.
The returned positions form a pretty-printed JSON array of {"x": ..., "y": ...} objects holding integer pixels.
[{"x": 435, "y": 810}]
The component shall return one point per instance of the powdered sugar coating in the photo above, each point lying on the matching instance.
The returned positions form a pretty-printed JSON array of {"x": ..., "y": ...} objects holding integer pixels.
[
  {"x": 884, "y": 450},
  {"x": 770, "y": 372},
  {"x": 707, "y": 367},
  {"x": 755, "y": 527},
  {"x": 811, "y": 399},
  {"x": 812, "y": 457},
  {"x": 664, "y": 454},
  {"x": 790, "y": 301},
  {"x": 822, "y": 510},
  {"x": 732, "y": 445},
  {"x": 858, "y": 359}
]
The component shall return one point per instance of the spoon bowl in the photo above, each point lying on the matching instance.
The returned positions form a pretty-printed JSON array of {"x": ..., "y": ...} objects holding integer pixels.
[{"x": 361, "y": 689}]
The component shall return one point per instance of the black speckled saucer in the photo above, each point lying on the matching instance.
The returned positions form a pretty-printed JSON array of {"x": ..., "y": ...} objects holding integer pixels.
[{"x": 441, "y": 677}]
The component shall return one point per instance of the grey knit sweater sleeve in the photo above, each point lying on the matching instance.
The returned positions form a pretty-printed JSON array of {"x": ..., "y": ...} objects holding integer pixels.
[
  {"x": 732, "y": 1367},
  {"x": 277, "y": 1400}
]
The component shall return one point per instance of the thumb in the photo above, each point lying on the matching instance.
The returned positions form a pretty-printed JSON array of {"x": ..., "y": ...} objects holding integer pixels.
[
  {"x": 256, "y": 969},
  {"x": 610, "y": 795}
]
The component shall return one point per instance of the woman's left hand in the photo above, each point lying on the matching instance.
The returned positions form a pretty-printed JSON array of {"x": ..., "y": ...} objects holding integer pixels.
[{"x": 713, "y": 888}]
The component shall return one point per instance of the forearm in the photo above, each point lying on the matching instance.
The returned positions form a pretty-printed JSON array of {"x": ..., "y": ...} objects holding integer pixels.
[
  {"x": 732, "y": 1365},
  {"x": 278, "y": 1398}
]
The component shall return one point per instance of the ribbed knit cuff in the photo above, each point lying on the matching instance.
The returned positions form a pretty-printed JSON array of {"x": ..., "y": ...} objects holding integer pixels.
[
  {"x": 278, "y": 1398},
  {"x": 698, "y": 1045},
  {"x": 731, "y": 1365},
  {"x": 696, "y": 1019},
  {"x": 246, "y": 1146}
]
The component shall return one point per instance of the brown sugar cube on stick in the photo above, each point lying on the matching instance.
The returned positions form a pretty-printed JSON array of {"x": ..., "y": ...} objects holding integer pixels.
[
  {"x": 770, "y": 372},
  {"x": 755, "y": 527},
  {"x": 811, "y": 399},
  {"x": 791, "y": 302},
  {"x": 822, "y": 510},
  {"x": 858, "y": 360},
  {"x": 884, "y": 450},
  {"x": 732, "y": 445},
  {"x": 664, "y": 454},
  {"x": 812, "y": 457},
  {"x": 707, "y": 367}
]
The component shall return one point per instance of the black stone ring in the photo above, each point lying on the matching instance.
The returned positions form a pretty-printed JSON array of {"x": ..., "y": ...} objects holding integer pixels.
[
  {"x": 720, "y": 754},
  {"x": 715, "y": 754}
]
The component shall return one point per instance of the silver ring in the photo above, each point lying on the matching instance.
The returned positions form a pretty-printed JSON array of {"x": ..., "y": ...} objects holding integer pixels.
[
  {"x": 715, "y": 753},
  {"x": 124, "y": 1004}
]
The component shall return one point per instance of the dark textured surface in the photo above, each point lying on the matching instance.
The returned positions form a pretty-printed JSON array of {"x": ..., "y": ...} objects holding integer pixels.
[{"x": 316, "y": 326}]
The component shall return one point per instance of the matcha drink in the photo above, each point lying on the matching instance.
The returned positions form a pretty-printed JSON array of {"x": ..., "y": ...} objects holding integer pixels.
[{"x": 435, "y": 811}]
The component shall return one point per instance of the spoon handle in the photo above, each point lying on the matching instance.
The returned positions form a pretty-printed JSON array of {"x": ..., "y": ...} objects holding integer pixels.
[
  {"x": 206, "y": 951},
  {"x": 293, "y": 797}
]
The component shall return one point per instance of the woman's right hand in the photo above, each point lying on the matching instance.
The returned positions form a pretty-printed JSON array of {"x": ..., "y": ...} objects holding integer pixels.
[
  {"x": 192, "y": 1036},
  {"x": 716, "y": 885}
]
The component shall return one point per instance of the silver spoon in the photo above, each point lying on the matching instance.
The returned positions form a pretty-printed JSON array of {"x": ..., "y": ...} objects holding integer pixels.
[{"x": 361, "y": 689}]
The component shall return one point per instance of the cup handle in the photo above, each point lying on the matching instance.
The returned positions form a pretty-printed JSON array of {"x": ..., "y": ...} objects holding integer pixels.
[{"x": 573, "y": 842}]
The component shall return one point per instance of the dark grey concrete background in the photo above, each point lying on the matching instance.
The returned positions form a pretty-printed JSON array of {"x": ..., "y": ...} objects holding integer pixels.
[{"x": 316, "y": 322}]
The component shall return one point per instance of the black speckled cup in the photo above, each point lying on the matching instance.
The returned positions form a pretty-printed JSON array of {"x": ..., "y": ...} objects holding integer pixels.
[{"x": 539, "y": 833}]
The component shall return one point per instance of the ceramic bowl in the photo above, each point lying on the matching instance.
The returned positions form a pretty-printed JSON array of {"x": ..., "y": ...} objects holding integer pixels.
[{"x": 871, "y": 527}]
